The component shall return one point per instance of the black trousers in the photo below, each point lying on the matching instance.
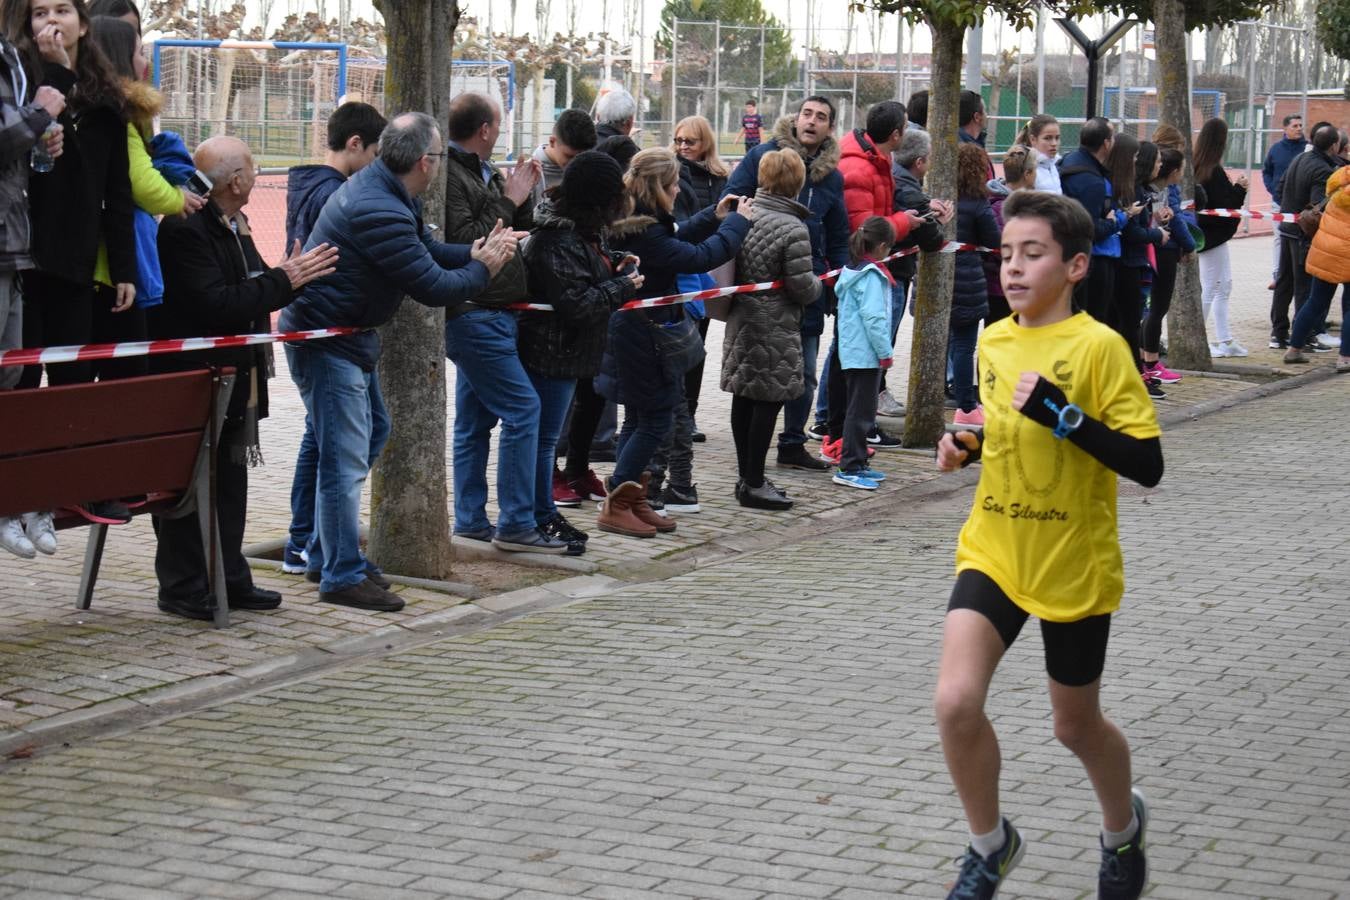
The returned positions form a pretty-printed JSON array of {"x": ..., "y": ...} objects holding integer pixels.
[
  {"x": 1160, "y": 297},
  {"x": 1293, "y": 284},
  {"x": 56, "y": 312},
  {"x": 752, "y": 428},
  {"x": 1128, "y": 303},
  {"x": 180, "y": 563},
  {"x": 1094, "y": 293},
  {"x": 862, "y": 412},
  {"x": 587, "y": 407},
  {"x": 113, "y": 328},
  {"x": 693, "y": 379}
]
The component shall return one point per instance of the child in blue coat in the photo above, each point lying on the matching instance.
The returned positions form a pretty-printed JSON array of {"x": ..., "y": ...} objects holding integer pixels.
[{"x": 864, "y": 336}]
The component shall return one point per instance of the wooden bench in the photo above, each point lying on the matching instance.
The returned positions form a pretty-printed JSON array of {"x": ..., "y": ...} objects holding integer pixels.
[{"x": 152, "y": 436}]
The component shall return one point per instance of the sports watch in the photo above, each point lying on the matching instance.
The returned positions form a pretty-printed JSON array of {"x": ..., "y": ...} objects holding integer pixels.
[{"x": 1070, "y": 417}]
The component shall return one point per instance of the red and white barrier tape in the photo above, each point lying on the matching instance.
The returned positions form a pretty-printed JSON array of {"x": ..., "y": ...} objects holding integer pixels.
[
  {"x": 1248, "y": 214},
  {"x": 713, "y": 293},
  {"x": 86, "y": 352}
]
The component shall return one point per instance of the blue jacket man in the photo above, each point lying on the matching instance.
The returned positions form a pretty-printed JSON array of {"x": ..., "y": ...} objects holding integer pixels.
[
  {"x": 1281, "y": 154},
  {"x": 384, "y": 252},
  {"x": 810, "y": 133},
  {"x": 1083, "y": 176}
]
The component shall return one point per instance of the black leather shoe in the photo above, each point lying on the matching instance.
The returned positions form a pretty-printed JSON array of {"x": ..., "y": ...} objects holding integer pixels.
[
  {"x": 365, "y": 595},
  {"x": 794, "y": 456},
  {"x": 766, "y": 496},
  {"x": 256, "y": 599},
  {"x": 199, "y": 608}
]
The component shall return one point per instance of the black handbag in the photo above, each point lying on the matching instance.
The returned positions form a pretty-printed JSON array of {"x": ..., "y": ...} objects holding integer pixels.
[{"x": 678, "y": 343}]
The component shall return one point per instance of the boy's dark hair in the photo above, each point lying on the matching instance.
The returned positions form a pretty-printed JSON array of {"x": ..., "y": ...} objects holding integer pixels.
[
  {"x": 354, "y": 118},
  {"x": 1095, "y": 132},
  {"x": 1069, "y": 222},
  {"x": 575, "y": 129},
  {"x": 871, "y": 234},
  {"x": 1290, "y": 118},
  {"x": 884, "y": 119},
  {"x": 917, "y": 108},
  {"x": 971, "y": 103},
  {"x": 823, "y": 101},
  {"x": 468, "y": 113},
  {"x": 1171, "y": 161},
  {"x": 751, "y": 102}
]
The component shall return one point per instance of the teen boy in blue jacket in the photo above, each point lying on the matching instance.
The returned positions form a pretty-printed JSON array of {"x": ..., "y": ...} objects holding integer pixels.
[{"x": 375, "y": 221}]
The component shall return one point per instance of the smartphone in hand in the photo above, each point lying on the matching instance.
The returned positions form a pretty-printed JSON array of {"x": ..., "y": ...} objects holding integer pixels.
[{"x": 199, "y": 184}]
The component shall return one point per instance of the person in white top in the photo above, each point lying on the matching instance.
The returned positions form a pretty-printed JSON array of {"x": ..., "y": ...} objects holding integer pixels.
[{"x": 1042, "y": 136}]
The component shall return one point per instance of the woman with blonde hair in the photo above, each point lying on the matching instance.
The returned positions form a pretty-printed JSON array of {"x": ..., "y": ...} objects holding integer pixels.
[
  {"x": 651, "y": 350},
  {"x": 762, "y": 347}
]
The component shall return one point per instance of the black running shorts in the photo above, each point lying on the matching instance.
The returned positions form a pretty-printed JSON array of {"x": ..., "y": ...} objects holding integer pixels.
[{"x": 1075, "y": 652}]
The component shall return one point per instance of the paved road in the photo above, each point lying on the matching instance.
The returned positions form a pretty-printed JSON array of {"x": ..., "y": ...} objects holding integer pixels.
[{"x": 762, "y": 727}]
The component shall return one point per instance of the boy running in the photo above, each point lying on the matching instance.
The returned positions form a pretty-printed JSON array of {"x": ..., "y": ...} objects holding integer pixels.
[{"x": 1065, "y": 413}]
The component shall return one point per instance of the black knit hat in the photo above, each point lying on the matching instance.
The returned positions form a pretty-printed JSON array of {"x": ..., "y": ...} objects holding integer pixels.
[{"x": 591, "y": 180}]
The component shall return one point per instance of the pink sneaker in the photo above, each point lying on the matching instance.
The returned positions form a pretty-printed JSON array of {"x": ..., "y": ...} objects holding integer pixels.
[
  {"x": 1162, "y": 373},
  {"x": 972, "y": 419},
  {"x": 830, "y": 451}
]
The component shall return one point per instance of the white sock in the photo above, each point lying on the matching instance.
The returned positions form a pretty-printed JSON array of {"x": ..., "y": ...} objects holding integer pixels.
[
  {"x": 988, "y": 844},
  {"x": 1114, "y": 840}
]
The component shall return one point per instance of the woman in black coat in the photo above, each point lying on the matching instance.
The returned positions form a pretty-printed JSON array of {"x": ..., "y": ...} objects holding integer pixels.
[
  {"x": 570, "y": 267},
  {"x": 637, "y": 372}
]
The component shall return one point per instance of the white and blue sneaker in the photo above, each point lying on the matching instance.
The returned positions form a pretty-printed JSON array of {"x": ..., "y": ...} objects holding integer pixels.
[
  {"x": 855, "y": 480},
  {"x": 873, "y": 475},
  {"x": 293, "y": 563}
]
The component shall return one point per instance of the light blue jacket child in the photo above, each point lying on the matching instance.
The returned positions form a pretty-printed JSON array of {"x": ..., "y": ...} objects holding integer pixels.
[{"x": 864, "y": 316}]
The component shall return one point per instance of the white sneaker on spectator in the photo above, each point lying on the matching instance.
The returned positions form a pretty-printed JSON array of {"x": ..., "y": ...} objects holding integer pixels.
[
  {"x": 1327, "y": 342},
  {"x": 887, "y": 405},
  {"x": 41, "y": 531},
  {"x": 1227, "y": 348},
  {"x": 14, "y": 540}
]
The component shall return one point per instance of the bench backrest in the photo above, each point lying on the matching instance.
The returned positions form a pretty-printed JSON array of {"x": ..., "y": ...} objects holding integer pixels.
[{"x": 72, "y": 444}]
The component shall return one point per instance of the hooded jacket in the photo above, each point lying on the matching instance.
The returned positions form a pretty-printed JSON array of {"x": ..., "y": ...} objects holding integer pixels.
[
  {"x": 762, "y": 347},
  {"x": 1329, "y": 256},
  {"x": 864, "y": 317},
  {"x": 1278, "y": 157},
  {"x": 823, "y": 195},
  {"x": 307, "y": 190},
  {"x": 21, "y": 124},
  {"x": 575, "y": 274},
  {"x": 472, "y": 208},
  {"x": 869, "y": 186},
  {"x": 384, "y": 252},
  {"x": 1047, "y": 173}
]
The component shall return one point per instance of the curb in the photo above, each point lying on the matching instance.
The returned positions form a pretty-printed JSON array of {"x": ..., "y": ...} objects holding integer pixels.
[{"x": 170, "y": 701}]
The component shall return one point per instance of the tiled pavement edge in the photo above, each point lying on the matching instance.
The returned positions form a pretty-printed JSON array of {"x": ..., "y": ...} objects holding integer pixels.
[
  {"x": 762, "y": 727},
  {"x": 59, "y": 665}
]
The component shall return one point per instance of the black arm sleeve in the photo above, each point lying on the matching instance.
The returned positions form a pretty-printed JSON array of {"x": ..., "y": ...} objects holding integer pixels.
[{"x": 1138, "y": 459}]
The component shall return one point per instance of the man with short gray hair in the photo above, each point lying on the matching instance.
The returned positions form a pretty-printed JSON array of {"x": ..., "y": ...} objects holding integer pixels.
[
  {"x": 375, "y": 221},
  {"x": 615, "y": 113}
]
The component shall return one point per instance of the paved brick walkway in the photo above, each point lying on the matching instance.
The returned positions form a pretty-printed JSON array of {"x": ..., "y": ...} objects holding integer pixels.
[{"x": 761, "y": 728}]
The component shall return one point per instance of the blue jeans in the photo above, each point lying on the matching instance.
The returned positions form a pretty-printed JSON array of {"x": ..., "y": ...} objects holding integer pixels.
[
  {"x": 302, "y": 492},
  {"x": 555, "y": 397},
  {"x": 796, "y": 411},
  {"x": 899, "y": 295},
  {"x": 823, "y": 386},
  {"x": 346, "y": 409},
  {"x": 491, "y": 386},
  {"x": 643, "y": 432},
  {"x": 1312, "y": 316},
  {"x": 961, "y": 362}
]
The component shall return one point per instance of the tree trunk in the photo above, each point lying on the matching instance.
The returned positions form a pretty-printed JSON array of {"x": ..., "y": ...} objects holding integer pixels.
[
  {"x": 1187, "y": 345},
  {"x": 410, "y": 525},
  {"x": 924, "y": 423}
]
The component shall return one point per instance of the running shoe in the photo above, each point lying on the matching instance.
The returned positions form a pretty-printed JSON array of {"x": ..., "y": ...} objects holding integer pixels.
[
  {"x": 982, "y": 876},
  {"x": 1124, "y": 871}
]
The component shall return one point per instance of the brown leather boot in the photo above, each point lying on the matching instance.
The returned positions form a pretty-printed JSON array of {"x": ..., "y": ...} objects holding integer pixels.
[
  {"x": 617, "y": 515},
  {"x": 643, "y": 510}
]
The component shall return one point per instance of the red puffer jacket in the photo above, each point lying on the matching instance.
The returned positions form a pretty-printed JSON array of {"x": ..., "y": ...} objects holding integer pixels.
[{"x": 869, "y": 188}]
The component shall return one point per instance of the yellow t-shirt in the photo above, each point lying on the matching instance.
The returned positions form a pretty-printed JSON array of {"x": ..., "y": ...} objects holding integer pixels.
[{"x": 1043, "y": 526}]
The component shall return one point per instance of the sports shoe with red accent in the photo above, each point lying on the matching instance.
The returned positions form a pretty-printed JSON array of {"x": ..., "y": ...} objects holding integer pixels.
[
  {"x": 972, "y": 419},
  {"x": 831, "y": 451},
  {"x": 563, "y": 493}
]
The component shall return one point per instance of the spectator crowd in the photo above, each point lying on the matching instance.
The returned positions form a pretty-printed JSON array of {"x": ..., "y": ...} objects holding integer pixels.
[{"x": 114, "y": 232}]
